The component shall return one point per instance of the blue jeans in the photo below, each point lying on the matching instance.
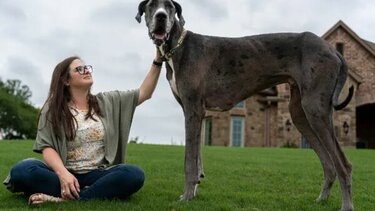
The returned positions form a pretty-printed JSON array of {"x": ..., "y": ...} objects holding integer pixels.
[{"x": 121, "y": 181}]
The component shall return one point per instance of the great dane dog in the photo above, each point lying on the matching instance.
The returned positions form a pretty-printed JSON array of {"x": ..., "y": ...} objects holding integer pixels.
[{"x": 215, "y": 73}]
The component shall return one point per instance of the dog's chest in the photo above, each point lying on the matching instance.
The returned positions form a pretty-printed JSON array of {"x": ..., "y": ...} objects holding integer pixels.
[
  {"x": 171, "y": 74},
  {"x": 172, "y": 78}
]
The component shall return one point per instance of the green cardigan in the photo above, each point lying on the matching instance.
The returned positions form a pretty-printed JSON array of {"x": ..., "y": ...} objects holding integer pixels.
[{"x": 117, "y": 108}]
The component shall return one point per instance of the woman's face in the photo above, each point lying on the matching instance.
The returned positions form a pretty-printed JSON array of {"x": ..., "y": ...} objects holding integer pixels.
[{"x": 80, "y": 74}]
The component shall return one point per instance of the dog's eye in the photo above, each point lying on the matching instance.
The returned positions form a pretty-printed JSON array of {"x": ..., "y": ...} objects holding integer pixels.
[
  {"x": 151, "y": 3},
  {"x": 168, "y": 5}
]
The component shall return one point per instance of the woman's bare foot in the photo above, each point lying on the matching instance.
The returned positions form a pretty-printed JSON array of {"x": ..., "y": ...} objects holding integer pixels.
[{"x": 39, "y": 198}]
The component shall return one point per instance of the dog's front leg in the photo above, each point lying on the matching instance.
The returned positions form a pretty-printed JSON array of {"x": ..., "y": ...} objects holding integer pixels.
[{"x": 193, "y": 121}]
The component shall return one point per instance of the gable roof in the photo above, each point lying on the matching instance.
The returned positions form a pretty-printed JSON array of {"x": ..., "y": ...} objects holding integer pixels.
[{"x": 369, "y": 46}]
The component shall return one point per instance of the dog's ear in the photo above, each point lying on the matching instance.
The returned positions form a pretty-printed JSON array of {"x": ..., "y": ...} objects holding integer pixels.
[
  {"x": 179, "y": 12},
  {"x": 141, "y": 10}
]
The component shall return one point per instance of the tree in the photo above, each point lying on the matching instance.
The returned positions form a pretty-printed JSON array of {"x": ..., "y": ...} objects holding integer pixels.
[
  {"x": 15, "y": 88},
  {"x": 18, "y": 118}
]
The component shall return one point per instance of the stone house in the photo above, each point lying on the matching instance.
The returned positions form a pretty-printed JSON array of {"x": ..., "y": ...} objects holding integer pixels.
[{"x": 263, "y": 120}]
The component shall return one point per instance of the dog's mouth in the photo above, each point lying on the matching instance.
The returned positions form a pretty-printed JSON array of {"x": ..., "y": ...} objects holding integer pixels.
[{"x": 159, "y": 36}]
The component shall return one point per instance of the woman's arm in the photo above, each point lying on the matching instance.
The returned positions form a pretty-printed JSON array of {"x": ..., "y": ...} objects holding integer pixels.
[
  {"x": 149, "y": 83},
  {"x": 69, "y": 184}
]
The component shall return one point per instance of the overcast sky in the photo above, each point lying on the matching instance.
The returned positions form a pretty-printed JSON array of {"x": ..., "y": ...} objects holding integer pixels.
[{"x": 37, "y": 34}]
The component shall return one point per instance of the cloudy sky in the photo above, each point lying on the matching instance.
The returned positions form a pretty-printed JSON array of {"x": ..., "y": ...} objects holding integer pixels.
[{"x": 37, "y": 34}]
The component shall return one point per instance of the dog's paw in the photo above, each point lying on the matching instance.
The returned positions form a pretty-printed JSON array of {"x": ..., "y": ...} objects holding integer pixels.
[
  {"x": 184, "y": 198},
  {"x": 348, "y": 208},
  {"x": 189, "y": 193},
  {"x": 323, "y": 198}
]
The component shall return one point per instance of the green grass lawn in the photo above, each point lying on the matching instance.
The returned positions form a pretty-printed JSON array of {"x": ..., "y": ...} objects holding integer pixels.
[{"x": 236, "y": 179}]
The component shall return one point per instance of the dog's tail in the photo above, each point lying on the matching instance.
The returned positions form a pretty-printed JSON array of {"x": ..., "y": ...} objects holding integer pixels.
[{"x": 340, "y": 84}]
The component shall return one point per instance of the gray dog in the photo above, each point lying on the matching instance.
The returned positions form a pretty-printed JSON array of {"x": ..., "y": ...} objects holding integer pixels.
[{"x": 215, "y": 73}]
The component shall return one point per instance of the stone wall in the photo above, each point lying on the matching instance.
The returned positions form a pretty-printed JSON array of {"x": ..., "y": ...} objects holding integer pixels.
[
  {"x": 286, "y": 135},
  {"x": 348, "y": 114},
  {"x": 361, "y": 61}
]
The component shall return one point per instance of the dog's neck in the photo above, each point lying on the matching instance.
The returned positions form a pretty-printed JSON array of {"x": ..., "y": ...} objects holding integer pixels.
[{"x": 175, "y": 35}]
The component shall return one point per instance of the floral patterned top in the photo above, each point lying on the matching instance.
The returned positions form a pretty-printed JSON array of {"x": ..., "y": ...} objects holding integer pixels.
[
  {"x": 117, "y": 109},
  {"x": 86, "y": 151}
]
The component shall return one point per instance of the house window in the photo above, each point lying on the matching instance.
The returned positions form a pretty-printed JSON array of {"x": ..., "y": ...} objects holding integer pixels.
[
  {"x": 237, "y": 130},
  {"x": 340, "y": 48},
  {"x": 240, "y": 104},
  {"x": 208, "y": 131}
]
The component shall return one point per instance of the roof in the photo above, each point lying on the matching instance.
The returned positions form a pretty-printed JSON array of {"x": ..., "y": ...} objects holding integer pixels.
[{"x": 369, "y": 46}]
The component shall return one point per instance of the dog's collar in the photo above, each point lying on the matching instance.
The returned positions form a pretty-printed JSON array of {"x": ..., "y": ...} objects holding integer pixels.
[{"x": 166, "y": 56}]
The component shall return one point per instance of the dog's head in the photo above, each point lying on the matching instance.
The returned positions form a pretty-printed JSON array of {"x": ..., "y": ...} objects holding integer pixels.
[{"x": 160, "y": 17}]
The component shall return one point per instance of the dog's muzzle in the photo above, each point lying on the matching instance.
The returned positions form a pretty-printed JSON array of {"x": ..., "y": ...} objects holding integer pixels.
[{"x": 159, "y": 34}]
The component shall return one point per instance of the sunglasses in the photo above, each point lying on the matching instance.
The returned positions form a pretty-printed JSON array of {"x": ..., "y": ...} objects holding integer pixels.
[{"x": 84, "y": 69}]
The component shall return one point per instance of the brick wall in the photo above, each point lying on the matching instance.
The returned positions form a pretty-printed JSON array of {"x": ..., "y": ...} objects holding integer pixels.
[{"x": 361, "y": 61}]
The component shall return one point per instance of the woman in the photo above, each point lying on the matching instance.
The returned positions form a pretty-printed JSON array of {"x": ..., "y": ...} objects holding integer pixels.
[{"x": 82, "y": 138}]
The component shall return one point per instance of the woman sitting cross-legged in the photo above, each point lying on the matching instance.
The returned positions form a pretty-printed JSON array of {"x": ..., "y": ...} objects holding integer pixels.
[{"x": 83, "y": 139}]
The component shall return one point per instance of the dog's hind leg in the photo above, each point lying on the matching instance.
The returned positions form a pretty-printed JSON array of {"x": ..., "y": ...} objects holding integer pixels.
[
  {"x": 319, "y": 115},
  {"x": 302, "y": 124}
]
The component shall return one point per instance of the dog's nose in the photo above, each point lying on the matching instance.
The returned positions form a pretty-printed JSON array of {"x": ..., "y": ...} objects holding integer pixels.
[{"x": 161, "y": 16}]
